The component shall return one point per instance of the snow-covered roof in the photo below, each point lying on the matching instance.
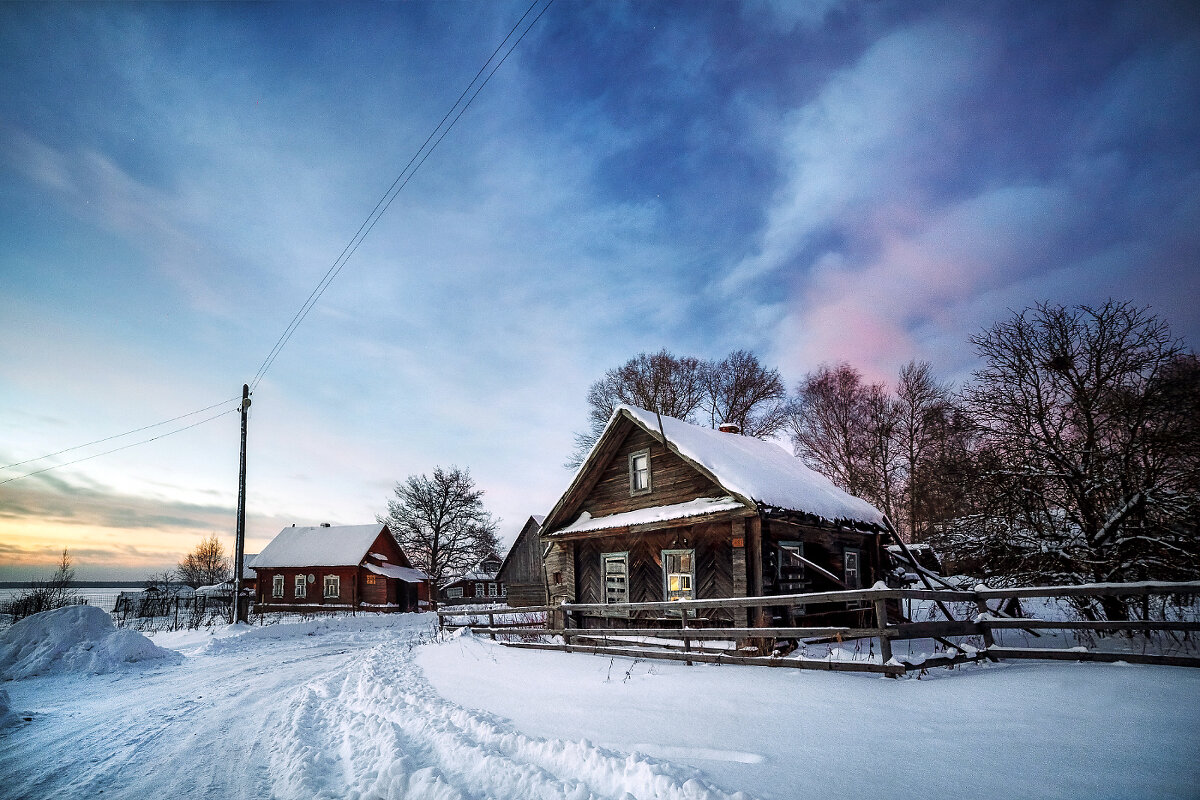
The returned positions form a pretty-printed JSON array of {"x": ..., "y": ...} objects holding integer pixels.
[
  {"x": 406, "y": 574},
  {"x": 692, "y": 508},
  {"x": 759, "y": 471},
  {"x": 248, "y": 565},
  {"x": 339, "y": 546}
]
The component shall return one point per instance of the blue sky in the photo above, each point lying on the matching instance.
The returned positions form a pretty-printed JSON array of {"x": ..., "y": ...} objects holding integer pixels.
[{"x": 812, "y": 181}]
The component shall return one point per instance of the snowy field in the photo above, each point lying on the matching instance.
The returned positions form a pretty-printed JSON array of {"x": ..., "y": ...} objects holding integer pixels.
[{"x": 373, "y": 707}]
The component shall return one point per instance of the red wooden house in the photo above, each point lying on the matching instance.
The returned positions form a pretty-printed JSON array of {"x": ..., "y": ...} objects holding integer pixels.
[
  {"x": 479, "y": 584},
  {"x": 351, "y": 567}
]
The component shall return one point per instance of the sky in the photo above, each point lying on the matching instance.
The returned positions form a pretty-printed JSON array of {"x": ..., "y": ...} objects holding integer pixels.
[{"x": 815, "y": 182}]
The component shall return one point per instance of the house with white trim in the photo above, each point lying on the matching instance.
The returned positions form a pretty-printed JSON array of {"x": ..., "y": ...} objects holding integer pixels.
[
  {"x": 338, "y": 568},
  {"x": 664, "y": 510}
]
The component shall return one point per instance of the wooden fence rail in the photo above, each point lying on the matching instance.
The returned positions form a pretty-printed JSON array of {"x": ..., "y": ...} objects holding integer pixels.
[{"x": 562, "y": 621}]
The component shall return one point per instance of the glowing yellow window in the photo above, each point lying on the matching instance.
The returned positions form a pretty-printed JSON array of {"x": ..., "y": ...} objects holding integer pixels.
[{"x": 679, "y": 571}]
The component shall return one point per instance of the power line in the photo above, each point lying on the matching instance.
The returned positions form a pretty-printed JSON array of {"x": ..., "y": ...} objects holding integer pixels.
[
  {"x": 396, "y": 187},
  {"x": 122, "y": 447},
  {"x": 335, "y": 268},
  {"x": 118, "y": 435}
]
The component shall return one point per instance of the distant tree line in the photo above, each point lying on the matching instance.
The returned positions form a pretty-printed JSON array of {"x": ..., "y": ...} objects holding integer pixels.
[{"x": 1071, "y": 455}]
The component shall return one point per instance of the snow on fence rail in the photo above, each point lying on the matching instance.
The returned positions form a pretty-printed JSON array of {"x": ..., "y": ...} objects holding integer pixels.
[{"x": 750, "y": 644}]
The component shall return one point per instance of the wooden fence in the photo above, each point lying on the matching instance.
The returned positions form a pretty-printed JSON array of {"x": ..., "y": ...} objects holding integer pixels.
[{"x": 685, "y": 642}]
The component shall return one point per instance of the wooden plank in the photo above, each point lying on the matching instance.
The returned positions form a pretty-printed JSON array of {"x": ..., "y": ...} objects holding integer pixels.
[
  {"x": 776, "y": 600},
  {"x": 1048, "y": 654},
  {"x": 709, "y": 658},
  {"x": 1092, "y": 625},
  {"x": 672, "y": 646},
  {"x": 1139, "y": 589},
  {"x": 497, "y": 611},
  {"x": 933, "y": 630},
  {"x": 734, "y": 633}
]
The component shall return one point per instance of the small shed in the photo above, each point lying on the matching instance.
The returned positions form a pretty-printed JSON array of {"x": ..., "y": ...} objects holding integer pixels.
[
  {"x": 521, "y": 571},
  {"x": 479, "y": 584},
  {"x": 348, "y": 567}
]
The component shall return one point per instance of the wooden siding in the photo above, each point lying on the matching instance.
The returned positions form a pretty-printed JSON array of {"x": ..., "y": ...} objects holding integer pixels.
[
  {"x": 713, "y": 566},
  {"x": 672, "y": 480},
  {"x": 354, "y": 591},
  {"x": 522, "y": 572}
]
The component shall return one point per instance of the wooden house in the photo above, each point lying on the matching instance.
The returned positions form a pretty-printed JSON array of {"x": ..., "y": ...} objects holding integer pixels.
[
  {"x": 479, "y": 584},
  {"x": 665, "y": 510},
  {"x": 354, "y": 567},
  {"x": 521, "y": 571}
]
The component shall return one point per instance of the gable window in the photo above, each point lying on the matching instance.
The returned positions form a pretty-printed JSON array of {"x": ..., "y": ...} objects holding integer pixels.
[
  {"x": 277, "y": 586},
  {"x": 301, "y": 586},
  {"x": 370, "y": 579},
  {"x": 679, "y": 573},
  {"x": 853, "y": 570},
  {"x": 639, "y": 472},
  {"x": 333, "y": 586}
]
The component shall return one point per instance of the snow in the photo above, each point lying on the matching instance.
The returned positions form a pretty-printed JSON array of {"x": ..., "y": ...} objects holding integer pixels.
[
  {"x": 373, "y": 706},
  {"x": 406, "y": 574},
  {"x": 73, "y": 639},
  {"x": 318, "y": 546},
  {"x": 761, "y": 471},
  {"x": 692, "y": 508}
]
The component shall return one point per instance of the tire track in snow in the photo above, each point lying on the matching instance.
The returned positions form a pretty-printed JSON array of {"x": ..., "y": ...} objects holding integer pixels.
[{"x": 377, "y": 729}]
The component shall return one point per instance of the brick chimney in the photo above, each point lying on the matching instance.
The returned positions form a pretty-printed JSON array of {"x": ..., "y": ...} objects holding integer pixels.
[{"x": 729, "y": 427}]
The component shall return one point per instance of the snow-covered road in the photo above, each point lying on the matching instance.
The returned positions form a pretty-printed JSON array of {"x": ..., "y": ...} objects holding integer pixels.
[
  {"x": 371, "y": 707},
  {"x": 338, "y": 711}
]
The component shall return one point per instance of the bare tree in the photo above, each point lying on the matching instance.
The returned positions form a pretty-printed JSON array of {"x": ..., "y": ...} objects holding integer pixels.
[
  {"x": 922, "y": 409},
  {"x": 662, "y": 382},
  {"x": 737, "y": 389},
  {"x": 440, "y": 522},
  {"x": 56, "y": 592},
  {"x": 827, "y": 420},
  {"x": 740, "y": 390},
  {"x": 1087, "y": 417},
  {"x": 206, "y": 565}
]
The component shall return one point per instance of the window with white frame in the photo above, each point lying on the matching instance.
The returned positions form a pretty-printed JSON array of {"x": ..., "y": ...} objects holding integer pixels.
[
  {"x": 300, "y": 586},
  {"x": 679, "y": 574},
  {"x": 479, "y": 590},
  {"x": 454, "y": 591},
  {"x": 639, "y": 472},
  {"x": 492, "y": 590},
  {"x": 277, "y": 586},
  {"x": 333, "y": 586},
  {"x": 853, "y": 568}
]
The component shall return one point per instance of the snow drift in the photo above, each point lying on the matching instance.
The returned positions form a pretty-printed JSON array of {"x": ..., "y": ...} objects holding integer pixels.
[{"x": 74, "y": 639}]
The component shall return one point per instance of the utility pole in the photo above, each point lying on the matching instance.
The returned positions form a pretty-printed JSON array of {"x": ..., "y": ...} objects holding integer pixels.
[{"x": 239, "y": 548}]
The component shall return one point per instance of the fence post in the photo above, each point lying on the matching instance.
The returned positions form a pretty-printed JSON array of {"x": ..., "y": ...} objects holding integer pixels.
[
  {"x": 175, "y": 624},
  {"x": 492, "y": 625},
  {"x": 687, "y": 643},
  {"x": 881, "y": 620},
  {"x": 989, "y": 640}
]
